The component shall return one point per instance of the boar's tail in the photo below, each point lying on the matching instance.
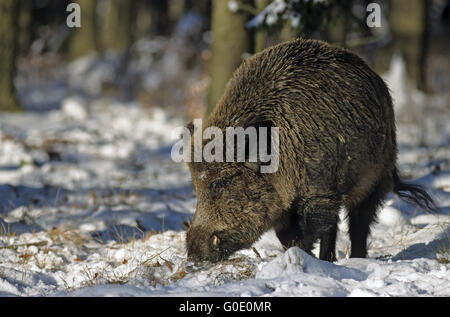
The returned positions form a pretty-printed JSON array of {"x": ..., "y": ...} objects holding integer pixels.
[{"x": 413, "y": 193}]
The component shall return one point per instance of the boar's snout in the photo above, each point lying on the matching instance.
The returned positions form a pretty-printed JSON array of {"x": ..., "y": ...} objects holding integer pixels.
[{"x": 202, "y": 246}]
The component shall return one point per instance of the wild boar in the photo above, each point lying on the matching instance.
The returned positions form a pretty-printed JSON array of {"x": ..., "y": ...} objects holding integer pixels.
[{"x": 337, "y": 148}]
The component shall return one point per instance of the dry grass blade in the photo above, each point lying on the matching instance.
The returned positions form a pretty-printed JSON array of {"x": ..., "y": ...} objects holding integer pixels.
[{"x": 15, "y": 246}]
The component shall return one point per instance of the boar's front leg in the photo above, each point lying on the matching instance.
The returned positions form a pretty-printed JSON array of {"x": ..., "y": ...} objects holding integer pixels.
[
  {"x": 321, "y": 216},
  {"x": 314, "y": 219},
  {"x": 292, "y": 233}
]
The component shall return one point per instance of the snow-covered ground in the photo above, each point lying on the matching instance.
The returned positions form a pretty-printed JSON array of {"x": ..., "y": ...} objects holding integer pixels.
[{"x": 92, "y": 205}]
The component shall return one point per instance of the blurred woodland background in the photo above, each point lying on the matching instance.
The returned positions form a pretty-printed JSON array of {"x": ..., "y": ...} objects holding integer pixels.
[
  {"x": 91, "y": 203},
  {"x": 179, "y": 54}
]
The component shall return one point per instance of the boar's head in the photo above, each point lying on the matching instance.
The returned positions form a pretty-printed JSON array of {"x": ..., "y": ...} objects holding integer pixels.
[{"x": 235, "y": 205}]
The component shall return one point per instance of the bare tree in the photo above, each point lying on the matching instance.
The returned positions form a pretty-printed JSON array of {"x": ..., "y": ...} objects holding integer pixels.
[
  {"x": 261, "y": 33},
  {"x": 9, "y": 13},
  {"x": 408, "y": 21},
  {"x": 230, "y": 41},
  {"x": 409, "y": 25},
  {"x": 84, "y": 40},
  {"x": 119, "y": 27}
]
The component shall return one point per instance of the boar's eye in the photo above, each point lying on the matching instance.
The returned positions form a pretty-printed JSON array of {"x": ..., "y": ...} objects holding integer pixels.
[{"x": 215, "y": 241}]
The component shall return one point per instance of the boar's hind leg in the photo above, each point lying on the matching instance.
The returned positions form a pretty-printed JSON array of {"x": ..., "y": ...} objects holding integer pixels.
[{"x": 362, "y": 216}]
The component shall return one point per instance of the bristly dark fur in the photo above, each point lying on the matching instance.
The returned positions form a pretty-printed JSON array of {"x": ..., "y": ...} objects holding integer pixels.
[
  {"x": 415, "y": 194},
  {"x": 338, "y": 148}
]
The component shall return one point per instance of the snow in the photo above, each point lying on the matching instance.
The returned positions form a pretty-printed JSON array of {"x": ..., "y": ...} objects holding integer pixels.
[
  {"x": 233, "y": 6},
  {"x": 286, "y": 10},
  {"x": 92, "y": 205},
  {"x": 74, "y": 108}
]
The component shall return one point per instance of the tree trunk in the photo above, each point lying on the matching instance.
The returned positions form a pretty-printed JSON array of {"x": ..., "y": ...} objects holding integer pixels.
[
  {"x": 24, "y": 24},
  {"x": 84, "y": 40},
  {"x": 159, "y": 10},
  {"x": 119, "y": 29},
  {"x": 9, "y": 14},
  {"x": 337, "y": 31},
  {"x": 230, "y": 41},
  {"x": 261, "y": 33},
  {"x": 408, "y": 21},
  {"x": 409, "y": 25},
  {"x": 143, "y": 22}
]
